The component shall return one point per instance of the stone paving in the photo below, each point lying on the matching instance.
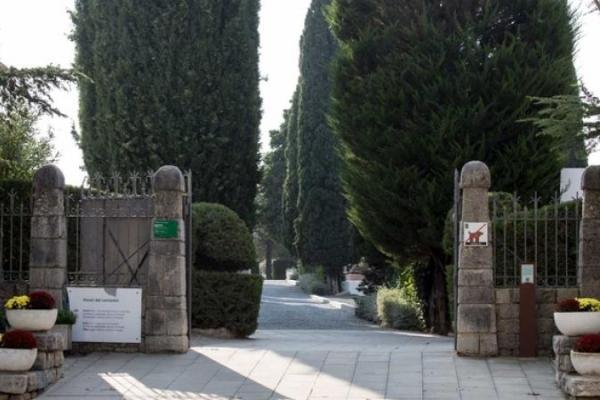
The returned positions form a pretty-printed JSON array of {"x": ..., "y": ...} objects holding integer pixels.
[
  {"x": 286, "y": 307},
  {"x": 366, "y": 363}
]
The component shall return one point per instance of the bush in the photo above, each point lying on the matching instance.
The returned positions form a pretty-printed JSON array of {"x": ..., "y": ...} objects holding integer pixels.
[
  {"x": 313, "y": 283},
  {"x": 41, "y": 300},
  {"x": 221, "y": 240},
  {"x": 66, "y": 317},
  {"x": 18, "y": 339},
  {"x": 280, "y": 267},
  {"x": 226, "y": 300},
  {"x": 396, "y": 311},
  {"x": 366, "y": 307}
]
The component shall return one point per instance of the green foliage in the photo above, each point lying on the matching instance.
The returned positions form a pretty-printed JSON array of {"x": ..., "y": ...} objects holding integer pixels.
[
  {"x": 22, "y": 149},
  {"x": 226, "y": 300},
  {"x": 366, "y": 307},
  {"x": 313, "y": 282},
  {"x": 26, "y": 91},
  {"x": 280, "y": 266},
  {"x": 322, "y": 231},
  {"x": 420, "y": 89},
  {"x": 270, "y": 194},
  {"x": 559, "y": 115},
  {"x": 396, "y": 308},
  {"x": 290, "y": 184},
  {"x": 172, "y": 82},
  {"x": 66, "y": 317},
  {"x": 221, "y": 240}
]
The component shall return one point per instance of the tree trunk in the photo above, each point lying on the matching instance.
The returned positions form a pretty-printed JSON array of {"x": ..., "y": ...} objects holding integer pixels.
[
  {"x": 438, "y": 301},
  {"x": 269, "y": 258}
]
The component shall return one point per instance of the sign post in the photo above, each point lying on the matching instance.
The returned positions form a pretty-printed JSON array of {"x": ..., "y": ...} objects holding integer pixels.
[{"x": 527, "y": 312}]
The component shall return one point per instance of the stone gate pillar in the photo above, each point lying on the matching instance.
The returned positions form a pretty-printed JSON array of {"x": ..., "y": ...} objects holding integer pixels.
[
  {"x": 166, "y": 323},
  {"x": 48, "y": 251},
  {"x": 588, "y": 265},
  {"x": 476, "y": 319}
]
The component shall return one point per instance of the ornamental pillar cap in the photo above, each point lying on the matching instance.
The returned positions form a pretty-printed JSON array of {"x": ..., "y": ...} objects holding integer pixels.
[
  {"x": 48, "y": 177},
  {"x": 475, "y": 174},
  {"x": 168, "y": 178},
  {"x": 590, "y": 180}
]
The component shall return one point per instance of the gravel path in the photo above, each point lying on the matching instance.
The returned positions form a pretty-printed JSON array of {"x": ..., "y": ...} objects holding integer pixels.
[{"x": 286, "y": 307}]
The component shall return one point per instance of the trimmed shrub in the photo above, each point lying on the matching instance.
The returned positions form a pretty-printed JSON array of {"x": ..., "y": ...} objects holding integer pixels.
[
  {"x": 280, "y": 267},
  {"x": 312, "y": 283},
  {"x": 366, "y": 307},
  {"x": 226, "y": 300},
  {"x": 221, "y": 240},
  {"x": 66, "y": 317},
  {"x": 396, "y": 309}
]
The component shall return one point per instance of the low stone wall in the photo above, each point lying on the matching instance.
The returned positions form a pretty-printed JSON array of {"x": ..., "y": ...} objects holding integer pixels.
[
  {"x": 507, "y": 318},
  {"x": 48, "y": 369}
]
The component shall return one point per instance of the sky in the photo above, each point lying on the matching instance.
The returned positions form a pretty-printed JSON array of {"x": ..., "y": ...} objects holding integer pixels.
[{"x": 35, "y": 33}]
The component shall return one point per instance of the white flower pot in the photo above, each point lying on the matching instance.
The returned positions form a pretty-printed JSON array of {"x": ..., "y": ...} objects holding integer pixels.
[
  {"x": 577, "y": 323},
  {"x": 17, "y": 360},
  {"x": 586, "y": 363},
  {"x": 32, "y": 320}
]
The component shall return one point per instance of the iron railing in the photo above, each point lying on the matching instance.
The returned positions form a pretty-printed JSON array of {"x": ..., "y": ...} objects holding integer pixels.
[
  {"x": 545, "y": 235},
  {"x": 15, "y": 232}
]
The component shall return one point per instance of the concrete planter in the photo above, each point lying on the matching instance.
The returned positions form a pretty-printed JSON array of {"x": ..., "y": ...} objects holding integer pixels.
[
  {"x": 67, "y": 333},
  {"x": 586, "y": 363},
  {"x": 17, "y": 360},
  {"x": 32, "y": 320},
  {"x": 577, "y": 323}
]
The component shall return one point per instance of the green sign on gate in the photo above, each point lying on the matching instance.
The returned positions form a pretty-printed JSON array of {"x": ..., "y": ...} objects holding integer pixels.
[{"x": 166, "y": 228}]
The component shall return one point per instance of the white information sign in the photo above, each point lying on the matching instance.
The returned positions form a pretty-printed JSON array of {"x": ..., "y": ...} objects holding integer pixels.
[
  {"x": 475, "y": 234},
  {"x": 527, "y": 273},
  {"x": 106, "y": 315}
]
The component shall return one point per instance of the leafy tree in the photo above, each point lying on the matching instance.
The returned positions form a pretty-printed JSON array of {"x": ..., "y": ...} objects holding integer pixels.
[
  {"x": 420, "y": 88},
  {"x": 322, "y": 231},
  {"x": 22, "y": 149},
  {"x": 24, "y": 97},
  {"x": 173, "y": 82},
  {"x": 26, "y": 91}
]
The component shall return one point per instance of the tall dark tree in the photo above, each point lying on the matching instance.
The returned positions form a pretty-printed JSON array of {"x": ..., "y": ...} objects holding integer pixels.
[
  {"x": 270, "y": 196},
  {"x": 322, "y": 231},
  {"x": 422, "y": 87},
  {"x": 172, "y": 82},
  {"x": 290, "y": 185}
]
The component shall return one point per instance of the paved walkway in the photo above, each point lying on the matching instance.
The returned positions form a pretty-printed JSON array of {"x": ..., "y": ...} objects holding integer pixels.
[
  {"x": 285, "y": 306},
  {"x": 366, "y": 363}
]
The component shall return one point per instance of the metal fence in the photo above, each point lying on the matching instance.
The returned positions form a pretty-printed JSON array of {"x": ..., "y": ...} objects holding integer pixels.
[
  {"x": 533, "y": 232},
  {"x": 15, "y": 228}
]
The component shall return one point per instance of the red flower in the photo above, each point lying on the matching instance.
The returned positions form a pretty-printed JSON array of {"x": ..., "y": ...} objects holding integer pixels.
[
  {"x": 41, "y": 300},
  {"x": 18, "y": 339},
  {"x": 588, "y": 344},
  {"x": 568, "y": 305}
]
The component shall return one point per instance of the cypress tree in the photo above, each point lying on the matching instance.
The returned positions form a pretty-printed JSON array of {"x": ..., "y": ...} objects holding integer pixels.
[
  {"x": 270, "y": 196},
  {"x": 172, "y": 82},
  {"x": 322, "y": 231},
  {"x": 423, "y": 86},
  {"x": 290, "y": 185}
]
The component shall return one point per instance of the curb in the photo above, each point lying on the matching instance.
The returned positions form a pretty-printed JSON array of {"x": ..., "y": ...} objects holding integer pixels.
[{"x": 336, "y": 304}]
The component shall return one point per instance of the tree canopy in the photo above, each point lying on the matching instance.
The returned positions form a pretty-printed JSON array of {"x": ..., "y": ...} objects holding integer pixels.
[{"x": 172, "y": 82}]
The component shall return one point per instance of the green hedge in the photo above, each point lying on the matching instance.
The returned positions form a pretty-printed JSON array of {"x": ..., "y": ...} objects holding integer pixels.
[
  {"x": 280, "y": 267},
  {"x": 398, "y": 310},
  {"x": 366, "y": 307},
  {"x": 226, "y": 300},
  {"x": 221, "y": 240}
]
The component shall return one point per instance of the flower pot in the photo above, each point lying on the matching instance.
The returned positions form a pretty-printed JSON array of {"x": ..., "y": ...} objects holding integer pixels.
[
  {"x": 577, "y": 323},
  {"x": 586, "y": 363},
  {"x": 17, "y": 360},
  {"x": 67, "y": 333},
  {"x": 32, "y": 320}
]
